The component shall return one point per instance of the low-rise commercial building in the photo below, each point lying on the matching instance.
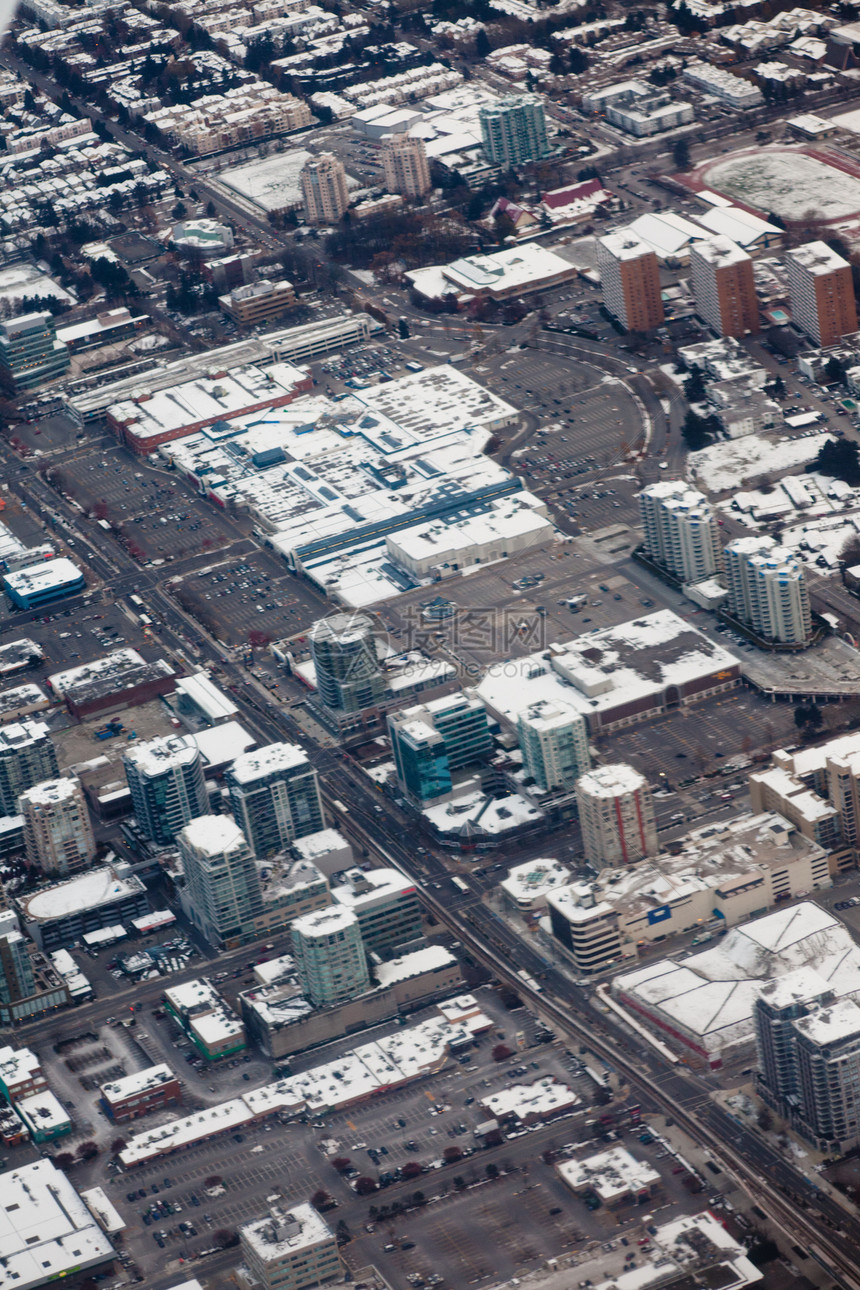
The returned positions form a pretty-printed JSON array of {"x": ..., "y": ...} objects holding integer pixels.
[
  {"x": 42, "y": 584},
  {"x": 528, "y": 885},
  {"x": 723, "y": 85},
  {"x": 638, "y": 108},
  {"x": 54, "y": 1235},
  {"x": 122, "y": 679},
  {"x": 138, "y": 1094},
  {"x": 615, "y": 1176},
  {"x": 21, "y": 1073}
]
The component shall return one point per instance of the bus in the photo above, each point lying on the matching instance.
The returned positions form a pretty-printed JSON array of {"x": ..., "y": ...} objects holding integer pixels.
[
  {"x": 145, "y": 620},
  {"x": 461, "y": 885},
  {"x": 339, "y": 806},
  {"x": 136, "y": 601},
  {"x": 529, "y": 981}
]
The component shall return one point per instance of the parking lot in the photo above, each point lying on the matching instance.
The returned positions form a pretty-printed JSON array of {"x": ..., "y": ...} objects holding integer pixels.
[
  {"x": 157, "y": 515},
  {"x": 457, "y": 1219},
  {"x": 249, "y": 599}
]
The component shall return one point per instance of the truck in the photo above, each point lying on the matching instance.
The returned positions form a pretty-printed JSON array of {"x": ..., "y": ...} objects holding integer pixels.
[{"x": 110, "y": 730}]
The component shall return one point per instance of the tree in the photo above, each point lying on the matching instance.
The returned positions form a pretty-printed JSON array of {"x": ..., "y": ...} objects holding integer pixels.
[
  {"x": 179, "y": 211},
  {"x": 64, "y": 1160},
  {"x": 214, "y": 1180},
  {"x": 482, "y": 43},
  {"x": 341, "y": 1163},
  {"x": 342, "y": 1233},
  {"x": 839, "y": 458},
  {"x": 681, "y": 154},
  {"x": 365, "y": 1186},
  {"x": 411, "y": 1169},
  {"x": 501, "y": 1053},
  {"x": 451, "y": 1154},
  {"x": 321, "y": 1200},
  {"x": 778, "y": 387},
  {"x": 88, "y": 1150},
  {"x": 834, "y": 371},
  {"x": 492, "y": 1171},
  {"x": 801, "y": 713},
  {"x": 403, "y": 329},
  {"x": 225, "y": 1238},
  {"x": 418, "y": 1198},
  {"x": 493, "y": 1138},
  {"x": 118, "y": 1144},
  {"x": 697, "y": 431},
  {"x": 694, "y": 386}
]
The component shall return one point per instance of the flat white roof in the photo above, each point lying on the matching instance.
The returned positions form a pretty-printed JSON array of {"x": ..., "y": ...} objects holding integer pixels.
[
  {"x": 720, "y": 251},
  {"x": 115, "y": 663},
  {"x": 212, "y": 834},
  {"x": 271, "y": 760},
  {"x": 610, "y": 1174},
  {"x": 431, "y": 959},
  {"x": 201, "y": 691},
  {"x": 59, "y": 572},
  {"x": 546, "y": 1096},
  {"x": 324, "y": 922},
  {"x": 46, "y": 1230},
  {"x": 612, "y": 781},
  {"x": 140, "y": 1082},
  {"x": 281, "y": 1234},
  {"x": 827, "y": 1025}
]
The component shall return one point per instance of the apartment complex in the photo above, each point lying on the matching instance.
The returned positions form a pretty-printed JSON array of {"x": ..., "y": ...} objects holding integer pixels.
[
  {"x": 681, "y": 531},
  {"x": 768, "y": 591},
  {"x": 219, "y": 121},
  {"x": 167, "y": 785},
  {"x": 223, "y": 884},
  {"x": 616, "y": 816},
  {"x": 821, "y": 291},
  {"x": 290, "y": 1250},
  {"x": 430, "y": 740},
  {"x": 808, "y": 1049},
  {"x": 404, "y": 161},
  {"x": 27, "y": 757},
  {"x": 346, "y": 667},
  {"x": 274, "y": 797},
  {"x": 30, "y": 353},
  {"x": 58, "y": 835},
  {"x": 630, "y": 280},
  {"x": 553, "y": 740},
  {"x": 386, "y": 906},
  {"x": 724, "y": 286},
  {"x": 329, "y": 955},
  {"x": 258, "y": 302},
  {"x": 324, "y": 189},
  {"x": 513, "y": 130}
]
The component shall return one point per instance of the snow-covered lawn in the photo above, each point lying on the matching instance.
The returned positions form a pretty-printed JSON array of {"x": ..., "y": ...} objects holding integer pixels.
[
  {"x": 724, "y": 466},
  {"x": 273, "y": 183},
  {"x": 786, "y": 182}
]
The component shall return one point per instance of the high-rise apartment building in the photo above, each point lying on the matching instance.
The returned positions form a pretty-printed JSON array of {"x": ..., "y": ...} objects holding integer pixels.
[
  {"x": 324, "y": 189},
  {"x": 616, "y": 816},
  {"x": 330, "y": 960},
  {"x": 274, "y": 797},
  {"x": 343, "y": 648},
  {"x": 553, "y": 739},
  {"x": 808, "y": 1045},
  {"x": 630, "y": 280},
  {"x": 681, "y": 530},
  {"x": 58, "y": 835},
  {"x": 432, "y": 739},
  {"x": 724, "y": 286},
  {"x": 290, "y": 1250},
  {"x": 167, "y": 785},
  {"x": 30, "y": 352},
  {"x": 404, "y": 161},
  {"x": 513, "y": 130},
  {"x": 27, "y": 757},
  {"x": 767, "y": 590},
  {"x": 821, "y": 291},
  {"x": 222, "y": 879},
  {"x": 17, "y": 980},
  {"x": 386, "y": 905}
]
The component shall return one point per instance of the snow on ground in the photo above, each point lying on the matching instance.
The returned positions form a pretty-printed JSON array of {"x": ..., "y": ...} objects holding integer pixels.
[
  {"x": 787, "y": 182},
  {"x": 818, "y": 515},
  {"x": 273, "y": 183},
  {"x": 724, "y": 466},
  {"x": 21, "y": 280}
]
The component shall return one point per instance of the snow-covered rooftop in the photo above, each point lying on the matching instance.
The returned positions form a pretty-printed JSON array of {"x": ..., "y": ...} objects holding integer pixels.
[
  {"x": 282, "y": 1233},
  {"x": 46, "y": 1230},
  {"x": 144, "y": 1081},
  {"x": 212, "y": 834},
  {"x": 42, "y": 577},
  {"x": 816, "y": 258},
  {"x": 433, "y": 958},
  {"x": 614, "y": 780},
  {"x": 710, "y": 996},
  {"x": 88, "y": 890},
  {"x": 545, "y": 1097},
  {"x": 611, "y": 1174},
  {"x": 274, "y": 759}
]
